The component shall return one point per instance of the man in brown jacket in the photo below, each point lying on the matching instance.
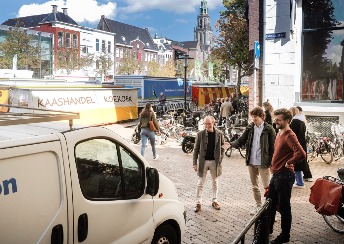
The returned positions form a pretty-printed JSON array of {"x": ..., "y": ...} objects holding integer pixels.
[{"x": 207, "y": 155}]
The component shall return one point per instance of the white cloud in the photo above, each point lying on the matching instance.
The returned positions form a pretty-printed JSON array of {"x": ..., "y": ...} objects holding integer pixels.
[
  {"x": 177, "y": 6},
  {"x": 334, "y": 53},
  {"x": 79, "y": 10}
]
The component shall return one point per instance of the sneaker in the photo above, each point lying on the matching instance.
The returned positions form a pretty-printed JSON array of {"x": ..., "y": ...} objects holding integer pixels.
[
  {"x": 216, "y": 206},
  {"x": 297, "y": 186},
  {"x": 254, "y": 211},
  {"x": 197, "y": 208},
  {"x": 156, "y": 157},
  {"x": 308, "y": 179},
  {"x": 280, "y": 239}
]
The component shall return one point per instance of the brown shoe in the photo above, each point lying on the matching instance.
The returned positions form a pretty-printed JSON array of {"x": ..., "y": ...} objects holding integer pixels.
[
  {"x": 197, "y": 208},
  {"x": 216, "y": 206}
]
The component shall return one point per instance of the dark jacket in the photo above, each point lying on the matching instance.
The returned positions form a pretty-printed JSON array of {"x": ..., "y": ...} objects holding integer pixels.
[
  {"x": 267, "y": 142},
  {"x": 200, "y": 151},
  {"x": 268, "y": 118},
  {"x": 299, "y": 128}
]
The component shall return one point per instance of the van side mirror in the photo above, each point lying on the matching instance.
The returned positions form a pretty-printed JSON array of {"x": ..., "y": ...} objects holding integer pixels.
[{"x": 152, "y": 175}]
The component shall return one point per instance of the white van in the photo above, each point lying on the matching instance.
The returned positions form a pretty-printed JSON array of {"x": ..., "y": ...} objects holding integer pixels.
[{"x": 81, "y": 185}]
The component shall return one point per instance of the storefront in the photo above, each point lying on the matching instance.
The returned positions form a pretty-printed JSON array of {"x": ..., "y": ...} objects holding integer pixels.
[{"x": 303, "y": 52}]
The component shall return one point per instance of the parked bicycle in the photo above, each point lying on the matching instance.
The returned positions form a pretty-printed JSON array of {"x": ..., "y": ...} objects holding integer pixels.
[
  {"x": 336, "y": 221},
  {"x": 338, "y": 134},
  {"x": 318, "y": 145}
]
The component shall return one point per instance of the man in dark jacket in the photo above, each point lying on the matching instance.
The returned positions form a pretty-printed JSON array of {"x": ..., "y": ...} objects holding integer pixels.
[{"x": 259, "y": 138}]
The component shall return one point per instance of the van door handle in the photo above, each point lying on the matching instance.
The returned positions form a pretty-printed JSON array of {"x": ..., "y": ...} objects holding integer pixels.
[
  {"x": 57, "y": 234},
  {"x": 82, "y": 227}
]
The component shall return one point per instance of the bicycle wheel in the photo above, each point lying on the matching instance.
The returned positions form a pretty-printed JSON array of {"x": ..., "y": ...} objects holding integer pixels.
[
  {"x": 228, "y": 152},
  {"x": 335, "y": 222},
  {"x": 326, "y": 153},
  {"x": 242, "y": 151}
]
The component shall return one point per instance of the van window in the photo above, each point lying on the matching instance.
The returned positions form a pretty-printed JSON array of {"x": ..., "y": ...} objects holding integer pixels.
[{"x": 107, "y": 171}]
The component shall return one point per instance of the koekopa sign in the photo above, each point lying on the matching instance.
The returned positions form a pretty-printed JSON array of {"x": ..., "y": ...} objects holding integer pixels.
[{"x": 95, "y": 106}]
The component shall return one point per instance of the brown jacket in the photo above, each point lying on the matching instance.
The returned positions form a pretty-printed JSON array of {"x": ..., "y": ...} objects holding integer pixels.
[{"x": 200, "y": 150}]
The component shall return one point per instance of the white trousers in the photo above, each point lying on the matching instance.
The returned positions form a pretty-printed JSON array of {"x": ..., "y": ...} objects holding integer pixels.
[{"x": 211, "y": 166}]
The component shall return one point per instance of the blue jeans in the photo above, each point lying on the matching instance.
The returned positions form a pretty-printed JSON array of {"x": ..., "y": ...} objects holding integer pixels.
[
  {"x": 299, "y": 178},
  {"x": 147, "y": 134},
  {"x": 279, "y": 192}
]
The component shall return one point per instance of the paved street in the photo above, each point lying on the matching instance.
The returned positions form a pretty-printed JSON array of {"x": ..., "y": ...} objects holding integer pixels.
[{"x": 235, "y": 198}]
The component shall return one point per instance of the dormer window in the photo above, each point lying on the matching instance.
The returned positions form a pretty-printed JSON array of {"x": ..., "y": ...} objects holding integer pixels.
[{"x": 138, "y": 46}]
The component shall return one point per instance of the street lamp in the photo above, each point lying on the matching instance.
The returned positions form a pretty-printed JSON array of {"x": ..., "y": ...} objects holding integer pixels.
[{"x": 185, "y": 57}]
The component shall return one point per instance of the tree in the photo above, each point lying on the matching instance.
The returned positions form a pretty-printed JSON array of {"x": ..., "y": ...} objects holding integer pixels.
[
  {"x": 129, "y": 64},
  {"x": 25, "y": 46},
  {"x": 169, "y": 69},
  {"x": 153, "y": 69},
  {"x": 233, "y": 42},
  {"x": 318, "y": 15}
]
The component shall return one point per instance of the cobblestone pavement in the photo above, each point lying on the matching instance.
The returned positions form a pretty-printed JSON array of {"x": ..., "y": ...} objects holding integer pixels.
[{"x": 236, "y": 199}]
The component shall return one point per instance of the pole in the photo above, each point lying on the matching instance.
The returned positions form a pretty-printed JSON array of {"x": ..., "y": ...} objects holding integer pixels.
[
  {"x": 254, "y": 86},
  {"x": 185, "y": 70}
]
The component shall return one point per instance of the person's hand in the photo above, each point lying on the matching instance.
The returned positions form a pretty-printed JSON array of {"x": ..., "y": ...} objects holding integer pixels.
[
  {"x": 226, "y": 145},
  {"x": 195, "y": 167}
]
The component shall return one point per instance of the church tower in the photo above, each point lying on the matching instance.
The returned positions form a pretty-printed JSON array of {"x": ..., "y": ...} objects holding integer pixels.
[{"x": 203, "y": 32}]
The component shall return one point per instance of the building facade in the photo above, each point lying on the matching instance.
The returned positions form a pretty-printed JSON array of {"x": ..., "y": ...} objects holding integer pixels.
[
  {"x": 134, "y": 46},
  {"x": 301, "y": 62},
  {"x": 78, "y": 52},
  {"x": 45, "y": 42}
]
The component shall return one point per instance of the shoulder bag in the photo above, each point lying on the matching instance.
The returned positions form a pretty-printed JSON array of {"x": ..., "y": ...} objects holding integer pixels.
[{"x": 152, "y": 125}]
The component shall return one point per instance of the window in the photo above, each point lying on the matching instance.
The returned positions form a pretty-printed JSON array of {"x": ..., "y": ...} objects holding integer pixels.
[
  {"x": 323, "y": 51},
  {"x": 84, "y": 49},
  {"x": 97, "y": 45},
  {"x": 60, "y": 39},
  {"x": 121, "y": 53},
  {"x": 68, "y": 39},
  {"x": 108, "y": 171},
  {"x": 103, "y": 46},
  {"x": 109, "y": 47},
  {"x": 117, "y": 52},
  {"x": 75, "y": 40}
]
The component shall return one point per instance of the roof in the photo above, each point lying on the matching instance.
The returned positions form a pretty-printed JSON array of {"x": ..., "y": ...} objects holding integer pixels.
[
  {"x": 126, "y": 33},
  {"x": 36, "y": 20},
  {"x": 189, "y": 44}
]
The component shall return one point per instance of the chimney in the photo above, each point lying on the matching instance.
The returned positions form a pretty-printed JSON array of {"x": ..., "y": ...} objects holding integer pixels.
[
  {"x": 65, "y": 11},
  {"x": 54, "y": 8}
]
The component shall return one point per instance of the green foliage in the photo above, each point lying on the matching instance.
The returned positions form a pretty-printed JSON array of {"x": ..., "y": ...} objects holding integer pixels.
[
  {"x": 25, "y": 46},
  {"x": 128, "y": 64},
  {"x": 233, "y": 40}
]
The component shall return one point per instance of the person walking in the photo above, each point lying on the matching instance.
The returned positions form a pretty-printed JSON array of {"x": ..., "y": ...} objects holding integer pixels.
[
  {"x": 259, "y": 137},
  {"x": 287, "y": 153},
  {"x": 146, "y": 115},
  {"x": 207, "y": 155},
  {"x": 299, "y": 128},
  {"x": 225, "y": 111}
]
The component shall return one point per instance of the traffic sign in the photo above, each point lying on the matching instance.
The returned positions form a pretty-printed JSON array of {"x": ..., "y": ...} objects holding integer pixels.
[{"x": 256, "y": 49}]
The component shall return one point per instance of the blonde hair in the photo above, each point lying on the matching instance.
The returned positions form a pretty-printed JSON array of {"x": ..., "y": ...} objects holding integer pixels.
[
  {"x": 269, "y": 107},
  {"x": 294, "y": 111}
]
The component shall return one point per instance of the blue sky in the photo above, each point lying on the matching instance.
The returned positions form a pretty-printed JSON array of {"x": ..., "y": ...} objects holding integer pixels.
[{"x": 174, "y": 19}]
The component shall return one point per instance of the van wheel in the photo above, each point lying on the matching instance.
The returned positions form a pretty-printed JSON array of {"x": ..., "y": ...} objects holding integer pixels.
[{"x": 165, "y": 235}]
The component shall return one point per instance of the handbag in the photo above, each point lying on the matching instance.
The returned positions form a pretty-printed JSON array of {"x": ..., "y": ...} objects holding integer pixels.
[
  {"x": 152, "y": 125},
  {"x": 326, "y": 196}
]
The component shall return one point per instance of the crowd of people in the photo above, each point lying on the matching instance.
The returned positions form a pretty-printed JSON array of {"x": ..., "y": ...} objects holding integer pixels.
[{"x": 275, "y": 151}]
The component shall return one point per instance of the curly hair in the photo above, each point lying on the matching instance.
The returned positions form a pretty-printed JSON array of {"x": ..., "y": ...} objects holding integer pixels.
[
  {"x": 258, "y": 111},
  {"x": 285, "y": 112}
]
